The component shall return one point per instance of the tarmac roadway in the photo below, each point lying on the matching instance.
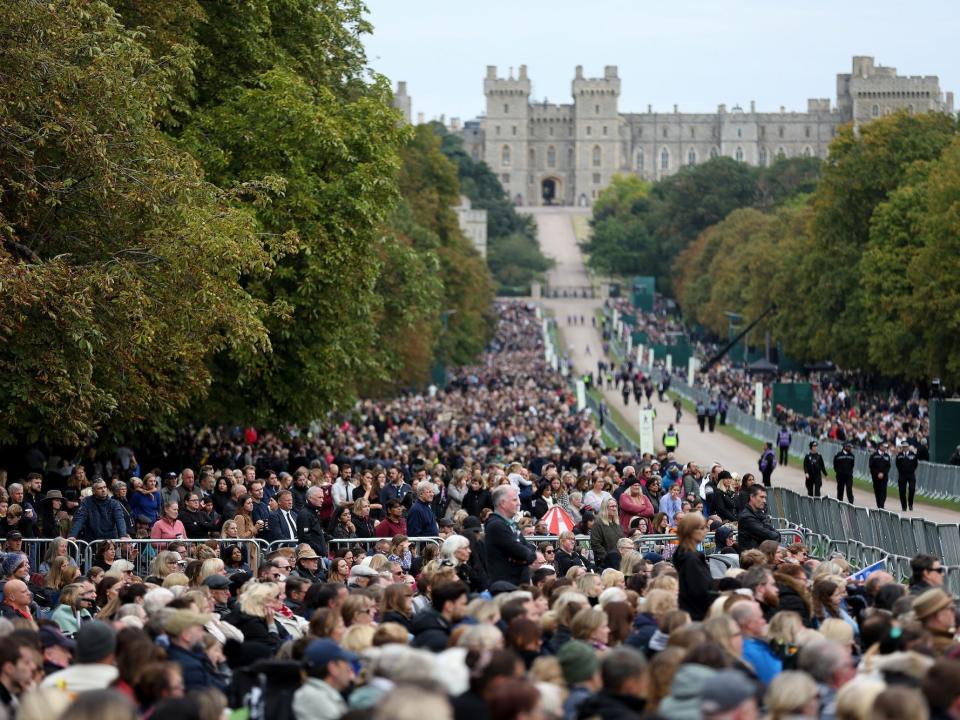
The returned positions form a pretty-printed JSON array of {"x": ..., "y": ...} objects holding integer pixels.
[{"x": 583, "y": 344}]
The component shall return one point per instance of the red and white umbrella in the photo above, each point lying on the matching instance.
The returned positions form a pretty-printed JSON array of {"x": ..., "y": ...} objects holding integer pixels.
[{"x": 557, "y": 520}]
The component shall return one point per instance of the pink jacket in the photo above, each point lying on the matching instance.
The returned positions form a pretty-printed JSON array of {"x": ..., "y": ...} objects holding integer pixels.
[{"x": 630, "y": 508}]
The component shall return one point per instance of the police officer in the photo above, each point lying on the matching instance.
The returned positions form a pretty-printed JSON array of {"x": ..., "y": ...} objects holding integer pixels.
[
  {"x": 879, "y": 473},
  {"x": 907, "y": 475},
  {"x": 843, "y": 463},
  {"x": 671, "y": 439},
  {"x": 702, "y": 416},
  {"x": 814, "y": 470}
]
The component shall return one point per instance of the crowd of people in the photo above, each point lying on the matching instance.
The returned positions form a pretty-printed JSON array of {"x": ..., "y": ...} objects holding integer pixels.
[
  {"x": 847, "y": 407},
  {"x": 468, "y": 553}
]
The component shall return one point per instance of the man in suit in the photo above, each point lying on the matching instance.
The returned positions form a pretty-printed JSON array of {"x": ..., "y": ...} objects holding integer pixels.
[
  {"x": 508, "y": 554},
  {"x": 283, "y": 521},
  {"x": 309, "y": 523}
]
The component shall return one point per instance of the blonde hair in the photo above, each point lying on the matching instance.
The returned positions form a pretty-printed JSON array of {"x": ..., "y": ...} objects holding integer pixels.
[
  {"x": 788, "y": 692},
  {"x": 586, "y": 622},
  {"x": 358, "y": 638},
  {"x": 629, "y": 561},
  {"x": 689, "y": 523},
  {"x": 42, "y": 704},
  {"x": 837, "y": 630},
  {"x": 254, "y": 597},
  {"x": 212, "y": 566},
  {"x": 659, "y": 602},
  {"x": 483, "y": 611},
  {"x": 664, "y": 582},
  {"x": 604, "y": 516},
  {"x": 388, "y": 633},
  {"x": 855, "y": 699},
  {"x": 610, "y": 578},
  {"x": 174, "y": 579},
  {"x": 785, "y": 626}
]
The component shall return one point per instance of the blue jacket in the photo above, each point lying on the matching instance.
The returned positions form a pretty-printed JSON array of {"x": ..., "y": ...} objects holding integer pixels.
[
  {"x": 421, "y": 521},
  {"x": 198, "y": 672},
  {"x": 147, "y": 504},
  {"x": 98, "y": 520},
  {"x": 761, "y": 657}
]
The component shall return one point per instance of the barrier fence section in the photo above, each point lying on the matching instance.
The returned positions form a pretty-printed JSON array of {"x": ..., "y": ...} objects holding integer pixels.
[
  {"x": 933, "y": 480},
  {"x": 866, "y": 536}
]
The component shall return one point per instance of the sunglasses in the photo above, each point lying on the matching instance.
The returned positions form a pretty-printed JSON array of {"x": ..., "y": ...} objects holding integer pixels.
[{"x": 938, "y": 570}]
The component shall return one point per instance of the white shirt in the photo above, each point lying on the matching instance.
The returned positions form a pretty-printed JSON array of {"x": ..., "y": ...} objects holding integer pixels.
[{"x": 79, "y": 678}]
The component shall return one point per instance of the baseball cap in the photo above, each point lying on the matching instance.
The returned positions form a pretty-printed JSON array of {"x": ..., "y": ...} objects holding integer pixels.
[
  {"x": 323, "y": 651},
  {"x": 51, "y": 636},
  {"x": 725, "y": 691},
  {"x": 180, "y": 620},
  {"x": 217, "y": 582}
]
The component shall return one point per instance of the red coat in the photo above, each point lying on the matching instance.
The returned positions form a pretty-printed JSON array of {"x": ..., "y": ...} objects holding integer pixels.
[
  {"x": 630, "y": 508},
  {"x": 387, "y": 528}
]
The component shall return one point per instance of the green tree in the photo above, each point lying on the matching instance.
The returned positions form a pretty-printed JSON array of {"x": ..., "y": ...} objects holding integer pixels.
[
  {"x": 864, "y": 167},
  {"x": 120, "y": 265}
]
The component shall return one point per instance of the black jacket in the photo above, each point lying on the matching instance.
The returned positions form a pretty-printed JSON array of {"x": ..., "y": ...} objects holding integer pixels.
[
  {"x": 258, "y": 642},
  {"x": 563, "y": 561},
  {"x": 606, "y": 705},
  {"x": 725, "y": 505},
  {"x": 197, "y": 669},
  {"x": 474, "y": 502},
  {"x": 814, "y": 467},
  {"x": 753, "y": 528},
  {"x": 310, "y": 529},
  {"x": 843, "y": 463},
  {"x": 907, "y": 464},
  {"x": 430, "y": 630},
  {"x": 508, "y": 554},
  {"x": 197, "y": 523},
  {"x": 396, "y": 617},
  {"x": 880, "y": 463},
  {"x": 697, "y": 590}
]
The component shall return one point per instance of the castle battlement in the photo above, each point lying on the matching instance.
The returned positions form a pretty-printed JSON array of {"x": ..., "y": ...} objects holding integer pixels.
[{"x": 566, "y": 153}]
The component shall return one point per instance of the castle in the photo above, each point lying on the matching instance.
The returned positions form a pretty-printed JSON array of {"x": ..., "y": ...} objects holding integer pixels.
[{"x": 565, "y": 154}]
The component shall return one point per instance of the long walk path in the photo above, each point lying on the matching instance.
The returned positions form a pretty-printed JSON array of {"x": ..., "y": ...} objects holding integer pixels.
[{"x": 583, "y": 344}]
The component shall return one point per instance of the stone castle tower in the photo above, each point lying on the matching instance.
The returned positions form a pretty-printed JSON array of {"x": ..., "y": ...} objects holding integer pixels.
[{"x": 565, "y": 154}]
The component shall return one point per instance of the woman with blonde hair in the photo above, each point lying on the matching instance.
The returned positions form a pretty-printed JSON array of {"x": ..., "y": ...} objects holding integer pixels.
[
  {"x": 212, "y": 566},
  {"x": 792, "y": 694},
  {"x": 357, "y": 610},
  {"x": 254, "y": 615},
  {"x": 782, "y": 634},
  {"x": 606, "y": 532},
  {"x": 697, "y": 590},
  {"x": 726, "y": 635},
  {"x": 58, "y": 547},
  {"x": 612, "y": 578},
  {"x": 163, "y": 564},
  {"x": 592, "y": 627},
  {"x": 60, "y": 573},
  {"x": 358, "y": 638},
  {"x": 395, "y": 605},
  {"x": 631, "y": 563},
  {"x": 855, "y": 699}
]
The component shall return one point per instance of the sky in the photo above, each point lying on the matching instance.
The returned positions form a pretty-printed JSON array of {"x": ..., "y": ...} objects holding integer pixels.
[{"x": 693, "y": 53}]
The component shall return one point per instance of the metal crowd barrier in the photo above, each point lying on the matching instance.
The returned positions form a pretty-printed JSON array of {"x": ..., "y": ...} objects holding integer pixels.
[
  {"x": 941, "y": 482},
  {"x": 142, "y": 551}
]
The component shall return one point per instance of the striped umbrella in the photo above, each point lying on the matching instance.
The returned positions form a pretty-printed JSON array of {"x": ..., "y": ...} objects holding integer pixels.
[{"x": 557, "y": 520}]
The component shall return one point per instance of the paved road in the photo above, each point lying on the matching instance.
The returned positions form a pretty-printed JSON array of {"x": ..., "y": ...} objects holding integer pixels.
[{"x": 583, "y": 344}]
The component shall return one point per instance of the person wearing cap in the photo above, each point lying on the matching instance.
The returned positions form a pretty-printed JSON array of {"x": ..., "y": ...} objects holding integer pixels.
[
  {"x": 99, "y": 517},
  {"x": 581, "y": 671},
  {"x": 880, "y": 473},
  {"x": 93, "y": 667},
  {"x": 329, "y": 670},
  {"x": 729, "y": 695},
  {"x": 185, "y": 630},
  {"x": 843, "y": 463},
  {"x": 623, "y": 672},
  {"x": 220, "y": 592},
  {"x": 814, "y": 470},
  {"x": 58, "y": 649},
  {"x": 726, "y": 540},
  {"x": 362, "y": 576},
  {"x": 308, "y": 565},
  {"x": 935, "y": 610},
  {"x": 907, "y": 463}
]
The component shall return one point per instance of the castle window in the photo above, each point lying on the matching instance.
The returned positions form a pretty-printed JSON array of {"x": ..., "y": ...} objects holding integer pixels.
[
  {"x": 763, "y": 131},
  {"x": 475, "y": 152},
  {"x": 806, "y": 131},
  {"x": 505, "y": 178},
  {"x": 551, "y": 156},
  {"x": 762, "y": 157},
  {"x": 596, "y": 178},
  {"x": 691, "y": 157},
  {"x": 693, "y": 133},
  {"x": 513, "y": 129},
  {"x": 664, "y": 159},
  {"x": 505, "y": 156},
  {"x": 589, "y": 130},
  {"x": 714, "y": 153},
  {"x": 596, "y": 156},
  {"x": 550, "y": 131},
  {"x": 781, "y": 153},
  {"x": 664, "y": 132},
  {"x": 496, "y": 130},
  {"x": 570, "y": 157},
  {"x": 807, "y": 152},
  {"x": 596, "y": 109},
  {"x": 639, "y": 132},
  {"x": 910, "y": 109},
  {"x": 739, "y": 154},
  {"x": 875, "y": 111},
  {"x": 640, "y": 160},
  {"x": 506, "y": 109},
  {"x": 739, "y": 132},
  {"x": 533, "y": 157},
  {"x": 780, "y": 131},
  {"x": 604, "y": 129}
]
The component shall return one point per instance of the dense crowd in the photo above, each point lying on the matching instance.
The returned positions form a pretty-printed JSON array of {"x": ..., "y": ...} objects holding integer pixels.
[
  {"x": 470, "y": 553},
  {"x": 848, "y": 407}
]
